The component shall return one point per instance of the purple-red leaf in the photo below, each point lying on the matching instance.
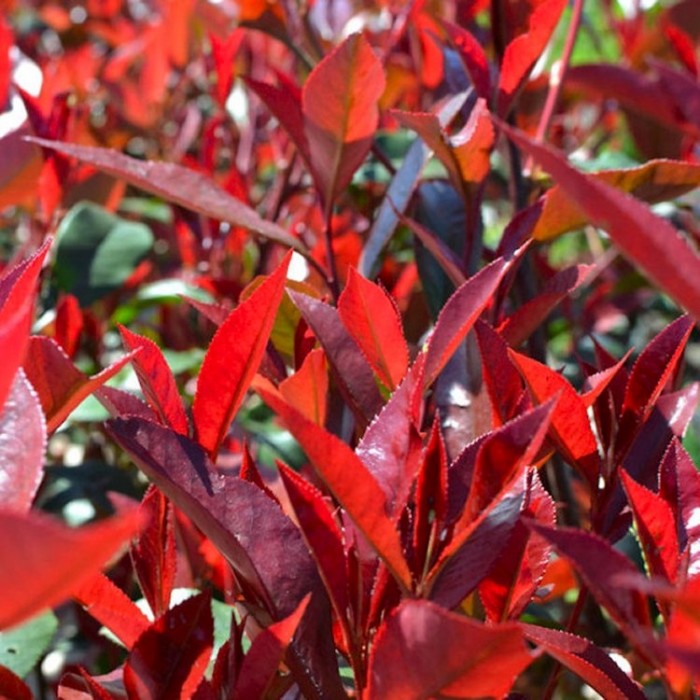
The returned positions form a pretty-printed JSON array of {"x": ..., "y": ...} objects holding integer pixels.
[
  {"x": 233, "y": 358},
  {"x": 424, "y": 651},
  {"x": 157, "y": 381},
  {"x": 473, "y": 57},
  {"x": 170, "y": 657},
  {"x": 22, "y": 446},
  {"x": 340, "y": 108}
]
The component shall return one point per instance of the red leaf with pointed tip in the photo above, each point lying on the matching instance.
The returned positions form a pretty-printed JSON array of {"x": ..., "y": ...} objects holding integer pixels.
[
  {"x": 520, "y": 325},
  {"x": 121, "y": 403},
  {"x": 571, "y": 426},
  {"x": 153, "y": 551},
  {"x": 422, "y": 651},
  {"x": 266, "y": 653},
  {"x": 655, "y": 366},
  {"x": 656, "y": 528},
  {"x": 473, "y": 57},
  {"x": 517, "y": 573},
  {"x": 322, "y": 534},
  {"x": 601, "y": 567},
  {"x": 373, "y": 320},
  {"x": 525, "y": 50},
  {"x": 340, "y": 107},
  {"x": 350, "y": 368},
  {"x": 111, "y": 607},
  {"x": 69, "y": 324},
  {"x": 175, "y": 183},
  {"x": 170, "y": 657},
  {"x": 233, "y": 358},
  {"x": 22, "y": 446},
  {"x": 459, "y": 315},
  {"x": 586, "y": 660},
  {"x": 61, "y": 386},
  {"x": 157, "y": 381},
  {"x": 12, "y": 687},
  {"x": 645, "y": 238},
  {"x": 274, "y": 567},
  {"x": 43, "y": 561},
  {"x": 349, "y": 481},
  {"x": 307, "y": 388}
]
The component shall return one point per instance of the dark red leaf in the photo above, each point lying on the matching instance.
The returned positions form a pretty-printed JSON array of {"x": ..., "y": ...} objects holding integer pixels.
[
  {"x": 350, "y": 368},
  {"x": 44, "y": 561},
  {"x": 645, "y": 238},
  {"x": 121, "y": 403},
  {"x": 157, "y": 381},
  {"x": 170, "y": 657},
  {"x": 233, "y": 358},
  {"x": 266, "y": 653},
  {"x": 153, "y": 551},
  {"x": 274, "y": 567},
  {"x": 423, "y": 651},
  {"x": 177, "y": 184},
  {"x": 350, "y": 482},
  {"x": 473, "y": 57},
  {"x": 110, "y": 606},
  {"x": 12, "y": 687},
  {"x": 525, "y": 50},
  {"x": 83, "y": 686},
  {"x": 22, "y": 446},
  {"x": 373, "y": 320},
  {"x": 339, "y": 104},
  {"x": 586, "y": 660},
  {"x": 61, "y": 386},
  {"x": 69, "y": 324}
]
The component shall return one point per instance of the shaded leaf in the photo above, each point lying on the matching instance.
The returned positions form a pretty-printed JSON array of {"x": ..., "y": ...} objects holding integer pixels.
[
  {"x": 307, "y": 388},
  {"x": 473, "y": 57}
]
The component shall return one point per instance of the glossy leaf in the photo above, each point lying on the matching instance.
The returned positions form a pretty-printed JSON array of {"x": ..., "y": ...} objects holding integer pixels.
[
  {"x": 372, "y": 319},
  {"x": 157, "y": 381},
  {"x": 654, "y": 181},
  {"x": 586, "y": 660},
  {"x": 473, "y": 57},
  {"x": 28, "y": 541},
  {"x": 61, "y": 386},
  {"x": 422, "y": 651},
  {"x": 170, "y": 657},
  {"x": 232, "y": 359},
  {"x": 339, "y": 104},
  {"x": 645, "y": 238},
  {"x": 22, "y": 446},
  {"x": 175, "y": 183}
]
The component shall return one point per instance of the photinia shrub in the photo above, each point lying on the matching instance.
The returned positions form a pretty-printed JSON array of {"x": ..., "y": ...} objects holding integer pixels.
[{"x": 348, "y": 349}]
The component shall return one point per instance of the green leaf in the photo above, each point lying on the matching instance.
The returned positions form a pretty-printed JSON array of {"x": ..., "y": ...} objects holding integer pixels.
[
  {"x": 21, "y": 647},
  {"x": 97, "y": 251}
]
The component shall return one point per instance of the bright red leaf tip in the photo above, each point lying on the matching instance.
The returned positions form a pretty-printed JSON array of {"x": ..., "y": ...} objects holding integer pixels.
[
  {"x": 233, "y": 358},
  {"x": 645, "y": 238},
  {"x": 28, "y": 542},
  {"x": 424, "y": 651}
]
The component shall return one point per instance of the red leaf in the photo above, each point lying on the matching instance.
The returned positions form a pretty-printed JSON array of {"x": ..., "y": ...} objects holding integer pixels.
[
  {"x": 307, "y": 388},
  {"x": 111, "y": 607},
  {"x": 69, "y": 324},
  {"x": 174, "y": 183},
  {"x": 473, "y": 57},
  {"x": 157, "y": 381},
  {"x": 339, "y": 103},
  {"x": 61, "y": 386},
  {"x": 520, "y": 325},
  {"x": 586, "y": 660},
  {"x": 84, "y": 687},
  {"x": 656, "y": 527},
  {"x": 12, "y": 687},
  {"x": 22, "y": 446},
  {"x": 153, "y": 551},
  {"x": 571, "y": 427},
  {"x": 322, "y": 534},
  {"x": 350, "y": 368},
  {"x": 517, "y": 573},
  {"x": 525, "y": 50},
  {"x": 654, "y": 367},
  {"x": 350, "y": 482},
  {"x": 373, "y": 320},
  {"x": 458, "y": 316},
  {"x": 233, "y": 358},
  {"x": 44, "y": 561},
  {"x": 6, "y": 41},
  {"x": 601, "y": 567},
  {"x": 170, "y": 657},
  {"x": 423, "y": 651},
  {"x": 266, "y": 653},
  {"x": 274, "y": 567},
  {"x": 645, "y": 238}
]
